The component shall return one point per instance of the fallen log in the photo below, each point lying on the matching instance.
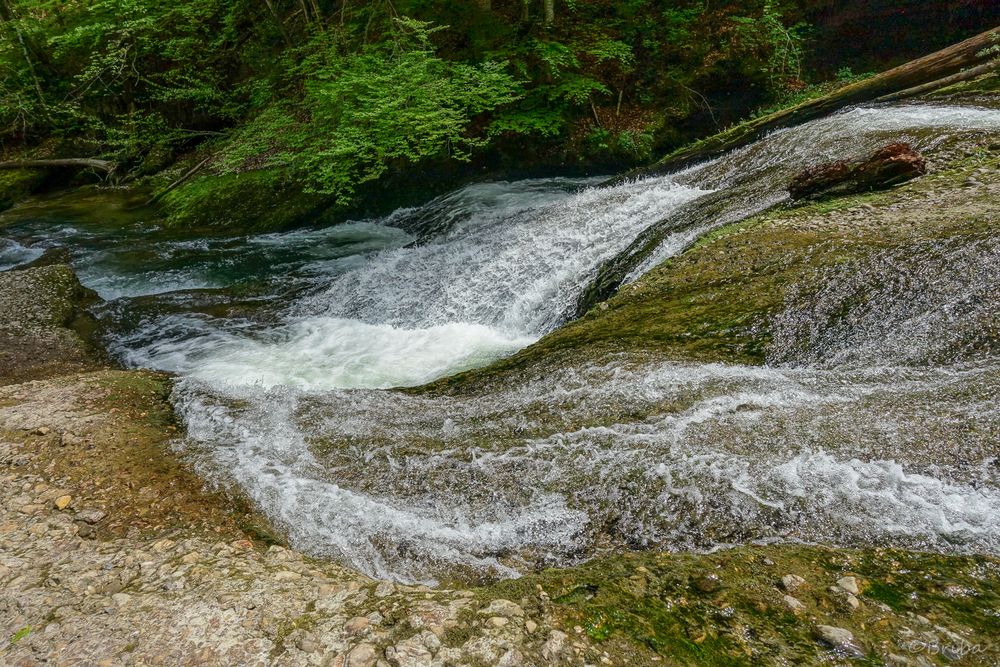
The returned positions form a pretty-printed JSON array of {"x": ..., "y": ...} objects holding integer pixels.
[
  {"x": 913, "y": 77},
  {"x": 61, "y": 163},
  {"x": 966, "y": 75},
  {"x": 887, "y": 167}
]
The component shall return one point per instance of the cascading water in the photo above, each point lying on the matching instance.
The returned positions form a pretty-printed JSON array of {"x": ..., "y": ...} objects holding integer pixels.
[{"x": 281, "y": 386}]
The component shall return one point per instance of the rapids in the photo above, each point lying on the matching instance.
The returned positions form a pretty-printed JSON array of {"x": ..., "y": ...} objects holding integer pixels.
[{"x": 286, "y": 346}]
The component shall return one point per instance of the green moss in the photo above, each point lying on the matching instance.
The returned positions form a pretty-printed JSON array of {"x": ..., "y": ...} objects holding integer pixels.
[
  {"x": 886, "y": 594},
  {"x": 253, "y": 201},
  {"x": 987, "y": 85},
  {"x": 19, "y": 635},
  {"x": 643, "y": 606},
  {"x": 17, "y": 184}
]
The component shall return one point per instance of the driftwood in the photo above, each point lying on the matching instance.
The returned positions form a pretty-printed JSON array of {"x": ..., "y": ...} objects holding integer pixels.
[
  {"x": 887, "y": 167},
  {"x": 940, "y": 69},
  {"x": 61, "y": 163}
]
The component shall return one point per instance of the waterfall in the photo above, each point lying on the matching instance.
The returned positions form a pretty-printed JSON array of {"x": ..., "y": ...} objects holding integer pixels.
[{"x": 840, "y": 438}]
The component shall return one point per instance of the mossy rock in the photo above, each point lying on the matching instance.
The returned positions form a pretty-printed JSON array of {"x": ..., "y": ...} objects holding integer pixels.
[
  {"x": 18, "y": 184},
  {"x": 43, "y": 324},
  {"x": 253, "y": 201},
  {"x": 730, "y": 607}
]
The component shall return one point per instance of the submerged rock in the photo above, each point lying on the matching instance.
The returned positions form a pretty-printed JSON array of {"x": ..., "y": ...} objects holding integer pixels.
[{"x": 887, "y": 167}]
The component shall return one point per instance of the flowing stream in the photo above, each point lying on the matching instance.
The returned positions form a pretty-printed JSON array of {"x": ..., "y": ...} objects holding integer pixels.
[{"x": 285, "y": 346}]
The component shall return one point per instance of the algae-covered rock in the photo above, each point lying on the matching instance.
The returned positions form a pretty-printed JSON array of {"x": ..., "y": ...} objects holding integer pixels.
[
  {"x": 253, "y": 201},
  {"x": 16, "y": 184},
  {"x": 42, "y": 312}
]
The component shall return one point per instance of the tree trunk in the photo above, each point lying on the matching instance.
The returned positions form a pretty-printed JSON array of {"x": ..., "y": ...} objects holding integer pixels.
[
  {"x": 278, "y": 22},
  {"x": 939, "y": 68},
  {"x": 187, "y": 175},
  {"x": 7, "y": 14},
  {"x": 940, "y": 83},
  {"x": 550, "y": 12}
]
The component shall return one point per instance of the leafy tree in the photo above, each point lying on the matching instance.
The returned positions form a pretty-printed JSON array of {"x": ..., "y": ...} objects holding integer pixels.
[{"x": 361, "y": 112}]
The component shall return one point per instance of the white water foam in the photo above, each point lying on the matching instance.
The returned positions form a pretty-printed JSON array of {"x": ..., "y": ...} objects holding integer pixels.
[
  {"x": 13, "y": 254},
  {"x": 674, "y": 456}
]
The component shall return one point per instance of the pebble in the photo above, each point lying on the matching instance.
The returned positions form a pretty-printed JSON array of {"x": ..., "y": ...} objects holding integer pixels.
[
  {"x": 840, "y": 639},
  {"x": 791, "y": 582},
  {"x": 362, "y": 655},
  {"x": 793, "y": 603},
  {"x": 356, "y": 625},
  {"x": 530, "y": 627},
  {"x": 498, "y": 621}
]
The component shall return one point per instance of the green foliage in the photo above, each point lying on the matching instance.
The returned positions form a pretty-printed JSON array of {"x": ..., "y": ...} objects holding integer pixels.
[
  {"x": 779, "y": 46},
  {"x": 338, "y": 94},
  {"x": 361, "y": 112}
]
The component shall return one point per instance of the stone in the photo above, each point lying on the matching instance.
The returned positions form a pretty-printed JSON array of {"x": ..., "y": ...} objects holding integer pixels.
[
  {"x": 90, "y": 515},
  {"x": 308, "y": 643},
  {"x": 840, "y": 639},
  {"x": 431, "y": 641},
  {"x": 362, "y": 655},
  {"x": 709, "y": 583},
  {"x": 849, "y": 584},
  {"x": 356, "y": 625},
  {"x": 792, "y": 582},
  {"x": 530, "y": 627},
  {"x": 504, "y": 608},
  {"x": 554, "y": 645},
  {"x": 384, "y": 589},
  {"x": 498, "y": 621},
  {"x": 512, "y": 658},
  {"x": 794, "y": 604},
  {"x": 42, "y": 430},
  {"x": 409, "y": 653}
]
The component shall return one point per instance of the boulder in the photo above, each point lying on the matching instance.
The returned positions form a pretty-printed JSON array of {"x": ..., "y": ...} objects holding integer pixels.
[{"x": 887, "y": 167}]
